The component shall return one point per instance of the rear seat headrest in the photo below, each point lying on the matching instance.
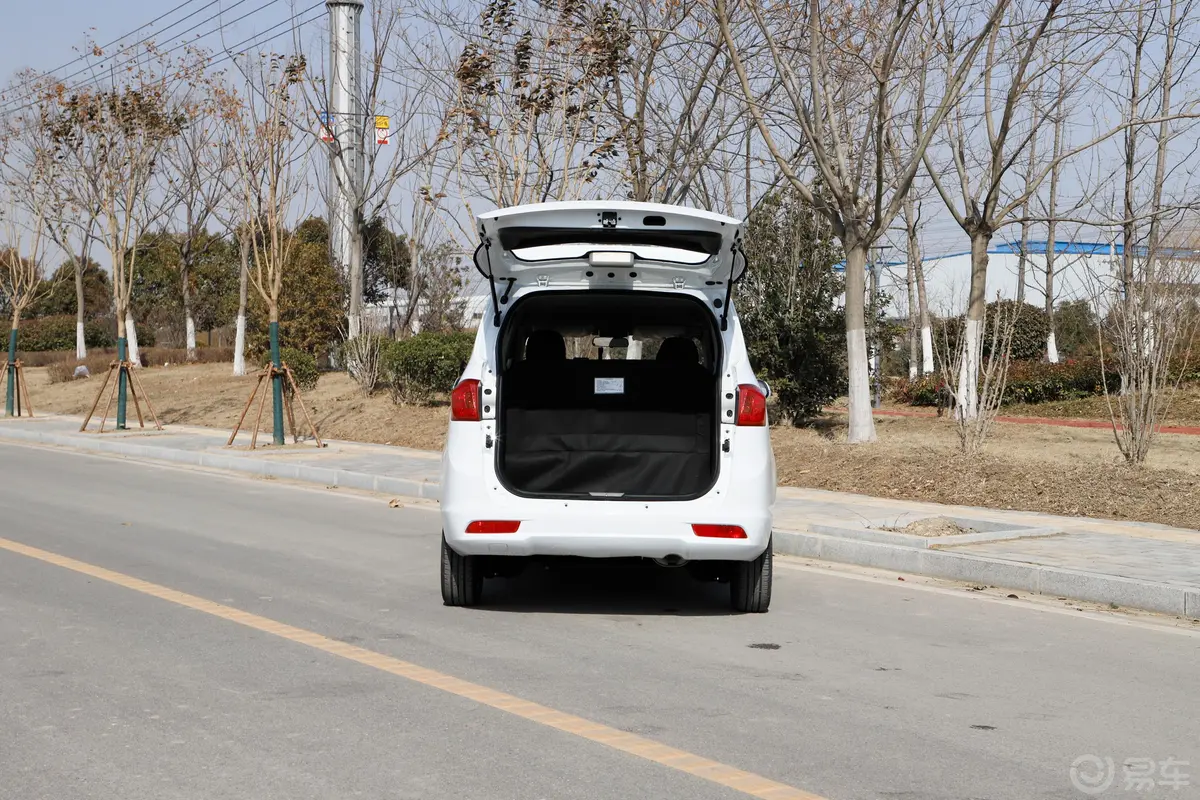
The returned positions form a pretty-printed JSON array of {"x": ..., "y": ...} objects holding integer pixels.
[
  {"x": 678, "y": 350},
  {"x": 545, "y": 346}
]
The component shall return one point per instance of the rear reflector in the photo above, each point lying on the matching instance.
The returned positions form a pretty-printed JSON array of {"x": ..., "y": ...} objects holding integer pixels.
[
  {"x": 464, "y": 401},
  {"x": 719, "y": 531},
  {"x": 494, "y": 526},
  {"x": 751, "y": 405}
]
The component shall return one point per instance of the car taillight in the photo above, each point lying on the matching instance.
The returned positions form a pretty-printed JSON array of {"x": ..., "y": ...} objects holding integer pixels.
[
  {"x": 751, "y": 405},
  {"x": 494, "y": 526},
  {"x": 719, "y": 531},
  {"x": 464, "y": 401}
]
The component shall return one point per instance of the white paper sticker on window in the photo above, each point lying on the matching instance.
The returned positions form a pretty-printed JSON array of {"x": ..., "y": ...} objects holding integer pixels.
[{"x": 610, "y": 386}]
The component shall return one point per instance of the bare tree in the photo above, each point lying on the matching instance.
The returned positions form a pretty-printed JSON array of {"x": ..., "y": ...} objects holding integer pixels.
[
  {"x": 113, "y": 134},
  {"x": 272, "y": 158},
  {"x": 1152, "y": 308},
  {"x": 1150, "y": 338},
  {"x": 527, "y": 104},
  {"x": 196, "y": 165},
  {"x": 843, "y": 79},
  {"x": 69, "y": 223},
  {"x": 673, "y": 97},
  {"x": 984, "y": 141},
  {"x": 993, "y": 378},
  {"x": 21, "y": 278}
]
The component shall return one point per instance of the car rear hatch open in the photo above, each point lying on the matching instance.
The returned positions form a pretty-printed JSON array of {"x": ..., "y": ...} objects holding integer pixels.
[{"x": 608, "y": 245}]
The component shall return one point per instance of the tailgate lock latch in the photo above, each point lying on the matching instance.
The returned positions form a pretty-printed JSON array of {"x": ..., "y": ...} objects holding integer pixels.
[{"x": 608, "y": 219}]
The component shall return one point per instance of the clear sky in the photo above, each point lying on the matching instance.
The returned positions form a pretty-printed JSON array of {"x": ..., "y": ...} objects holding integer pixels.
[{"x": 43, "y": 34}]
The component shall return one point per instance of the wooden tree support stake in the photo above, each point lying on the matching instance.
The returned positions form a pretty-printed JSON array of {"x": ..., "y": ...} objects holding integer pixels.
[
  {"x": 20, "y": 388},
  {"x": 289, "y": 398},
  {"x": 136, "y": 391}
]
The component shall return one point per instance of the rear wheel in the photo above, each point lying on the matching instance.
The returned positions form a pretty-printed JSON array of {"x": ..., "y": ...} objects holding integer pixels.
[
  {"x": 750, "y": 584},
  {"x": 462, "y": 578}
]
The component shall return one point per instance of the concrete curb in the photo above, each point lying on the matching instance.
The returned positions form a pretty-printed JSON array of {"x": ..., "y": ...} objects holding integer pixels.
[
  {"x": 236, "y": 463},
  {"x": 1035, "y": 578},
  {"x": 900, "y": 557},
  {"x": 999, "y": 533}
]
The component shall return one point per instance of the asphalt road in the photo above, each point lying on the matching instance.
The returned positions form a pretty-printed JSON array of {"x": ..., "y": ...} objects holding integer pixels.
[{"x": 848, "y": 689}]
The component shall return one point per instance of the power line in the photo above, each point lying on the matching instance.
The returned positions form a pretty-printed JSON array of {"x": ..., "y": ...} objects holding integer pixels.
[
  {"x": 128, "y": 47},
  {"x": 230, "y": 53},
  {"x": 117, "y": 66},
  {"x": 123, "y": 37}
]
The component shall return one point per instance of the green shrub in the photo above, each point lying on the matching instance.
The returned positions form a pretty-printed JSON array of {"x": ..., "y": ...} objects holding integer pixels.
[
  {"x": 303, "y": 366},
  {"x": 41, "y": 334},
  {"x": 1028, "y": 382},
  {"x": 921, "y": 392},
  {"x": 1030, "y": 331},
  {"x": 1040, "y": 382},
  {"x": 428, "y": 364}
]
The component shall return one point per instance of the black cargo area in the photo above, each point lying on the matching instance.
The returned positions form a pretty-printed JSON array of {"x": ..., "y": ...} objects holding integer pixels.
[{"x": 578, "y": 417}]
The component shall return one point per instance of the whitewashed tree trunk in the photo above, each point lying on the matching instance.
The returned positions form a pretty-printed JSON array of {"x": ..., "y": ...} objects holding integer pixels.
[
  {"x": 967, "y": 397},
  {"x": 191, "y": 338},
  {"x": 1051, "y": 349},
  {"x": 634, "y": 351},
  {"x": 239, "y": 341},
  {"x": 862, "y": 422},
  {"x": 80, "y": 341},
  {"x": 927, "y": 349},
  {"x": 239, "y": 345},
  {"x": 131, "y": 340}
]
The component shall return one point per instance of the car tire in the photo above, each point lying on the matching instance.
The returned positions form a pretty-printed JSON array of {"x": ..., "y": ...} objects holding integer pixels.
[
  {"x": 462, "y": 579},
  {"x": 750, "y": 584}
]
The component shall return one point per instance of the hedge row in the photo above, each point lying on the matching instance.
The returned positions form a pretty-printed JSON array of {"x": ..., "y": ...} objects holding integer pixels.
[
  {"x": 1028, "y": 382},
  {"x": 42, "y": 334}
]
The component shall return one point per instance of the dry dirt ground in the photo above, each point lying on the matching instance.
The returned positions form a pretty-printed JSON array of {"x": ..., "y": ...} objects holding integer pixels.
[{"x": 1072, "y": 471}]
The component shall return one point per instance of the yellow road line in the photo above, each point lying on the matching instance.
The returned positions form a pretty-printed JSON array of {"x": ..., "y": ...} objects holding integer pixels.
[{"x": 745, "y": 782}]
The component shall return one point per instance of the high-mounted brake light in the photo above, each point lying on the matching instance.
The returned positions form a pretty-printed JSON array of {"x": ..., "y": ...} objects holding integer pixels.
[
  {"x": 719, "y": 531},
  {"x": 494, "y": 526},
  {"x": 601, "y": 258},
  {"x": 751, "y": 405},
  {"x": 464, "y": 401}
]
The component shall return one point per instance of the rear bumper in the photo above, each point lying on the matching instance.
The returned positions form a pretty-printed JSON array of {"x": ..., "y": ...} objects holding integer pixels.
[{"x": 607, "y": 529}]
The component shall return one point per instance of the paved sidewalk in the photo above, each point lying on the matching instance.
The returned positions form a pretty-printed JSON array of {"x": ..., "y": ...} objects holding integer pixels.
[{"x": 1131, "y": 564}]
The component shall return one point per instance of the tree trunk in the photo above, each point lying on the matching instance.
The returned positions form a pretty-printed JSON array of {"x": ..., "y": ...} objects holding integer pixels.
[
  {"x": 967, "y": 399},
  {"x": 862, "y": 423},
  {"x": 80, "y": 329},
  {"x": 277, "y": 379},
  {"x": 122, "y": 352},
  {"x": 11, "y": 389},
  {"x": 239, "y": 342},
  {"x": 131, "y": 337},
  {"x": 1023, "y": 261},
  {"x": 914, "y": 322},
  {"x": 189, "y": 320},
  {"x": 1051, "y": 344},
  {"x": 354, "y": 318}
]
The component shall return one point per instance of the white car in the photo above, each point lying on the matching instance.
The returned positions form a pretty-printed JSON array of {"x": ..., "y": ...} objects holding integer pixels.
[{"x": 609, "y": 409}]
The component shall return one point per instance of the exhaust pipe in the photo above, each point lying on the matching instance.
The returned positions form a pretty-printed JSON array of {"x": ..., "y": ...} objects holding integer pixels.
[{"x": 671, "y": 561}]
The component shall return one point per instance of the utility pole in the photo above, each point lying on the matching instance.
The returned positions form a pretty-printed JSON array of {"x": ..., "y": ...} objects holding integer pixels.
[{"x": 347, "y": 118}]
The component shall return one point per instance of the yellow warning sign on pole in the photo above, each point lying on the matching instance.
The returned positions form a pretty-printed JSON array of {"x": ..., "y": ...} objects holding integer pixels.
[{"x": 383, "y": 129}]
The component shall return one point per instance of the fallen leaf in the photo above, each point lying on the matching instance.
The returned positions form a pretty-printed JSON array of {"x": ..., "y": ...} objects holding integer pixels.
[
  {"x": 394, "y": 503},
  {"x": 899, "y": 578}
]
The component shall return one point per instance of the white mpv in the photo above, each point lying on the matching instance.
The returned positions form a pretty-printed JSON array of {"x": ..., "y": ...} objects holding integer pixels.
[{"x": 609, "y": 409}]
